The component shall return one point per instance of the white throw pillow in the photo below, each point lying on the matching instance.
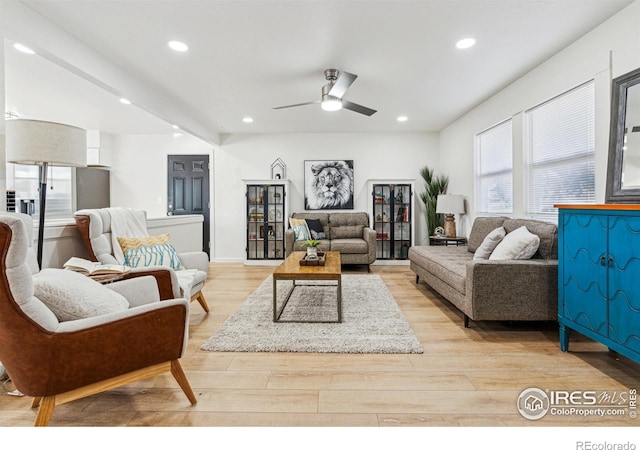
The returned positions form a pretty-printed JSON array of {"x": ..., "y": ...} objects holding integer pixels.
[
  {"x": 519, "y": 244},
  {"x": 71, "y": 295},
  {"x": 489, "y": 243}
]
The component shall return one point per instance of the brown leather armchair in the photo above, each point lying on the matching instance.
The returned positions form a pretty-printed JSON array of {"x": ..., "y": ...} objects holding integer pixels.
[{"x": 59, "y": 361}]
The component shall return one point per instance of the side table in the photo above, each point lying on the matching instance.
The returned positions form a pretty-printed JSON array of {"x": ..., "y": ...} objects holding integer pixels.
[{"x": 444, "y": 240}]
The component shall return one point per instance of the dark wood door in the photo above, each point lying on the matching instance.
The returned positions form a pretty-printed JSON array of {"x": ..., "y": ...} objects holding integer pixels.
[{"x": 188, "y": 182}]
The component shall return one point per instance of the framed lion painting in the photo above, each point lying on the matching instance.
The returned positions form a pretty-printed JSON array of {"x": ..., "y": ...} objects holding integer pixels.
[{"x": 328, "y": 184}]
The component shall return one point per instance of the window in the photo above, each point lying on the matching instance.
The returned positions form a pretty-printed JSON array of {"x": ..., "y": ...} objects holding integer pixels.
[
  {"x": 494, "y": 170},
  {"x": 25, "y": 180},
  {"x": 560, "y": 151}
]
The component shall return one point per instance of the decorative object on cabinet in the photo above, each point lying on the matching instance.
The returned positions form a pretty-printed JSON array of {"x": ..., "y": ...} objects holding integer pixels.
[
  {"x": 278, "y": 170},
  {"x": 266, "y": 203},
  {"x": 449, "y": 204},
  {"x": 328, "y": 185},
  {"x": 623, "y": 168},
  {"x": 393, "y": 218},
  {"x": 433, "y": 186},
  {"x": 598, "y": 269}
]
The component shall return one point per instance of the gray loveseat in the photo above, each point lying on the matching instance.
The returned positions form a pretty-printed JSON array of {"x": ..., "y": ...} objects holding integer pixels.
[
  {"x": 506, "y": 290},
  {"x": 347, "y": 233}
]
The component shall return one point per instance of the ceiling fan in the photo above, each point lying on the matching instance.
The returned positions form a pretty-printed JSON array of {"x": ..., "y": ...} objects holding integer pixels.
[{"x": 332, "y": 92}]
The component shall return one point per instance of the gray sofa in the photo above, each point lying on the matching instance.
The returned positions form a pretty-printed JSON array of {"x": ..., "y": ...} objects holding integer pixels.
[
  {"x": 345, "y": 232},
  {"x": 505, "y": 290}
]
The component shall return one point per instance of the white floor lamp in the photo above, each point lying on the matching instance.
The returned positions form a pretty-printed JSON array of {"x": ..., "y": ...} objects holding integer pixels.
[{"x": 44, "y": 144}]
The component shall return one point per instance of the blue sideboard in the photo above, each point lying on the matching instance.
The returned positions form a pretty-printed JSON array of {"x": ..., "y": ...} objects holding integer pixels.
[{"x": 599, "y": 275}]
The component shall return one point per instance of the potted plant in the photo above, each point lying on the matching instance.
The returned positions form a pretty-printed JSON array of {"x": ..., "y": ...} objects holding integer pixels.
[
  {"x": 312, "y": 248},
  {"x": 433, "y": 186}
]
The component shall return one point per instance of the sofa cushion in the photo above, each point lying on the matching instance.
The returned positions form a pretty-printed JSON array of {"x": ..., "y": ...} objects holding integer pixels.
[
  {"x": 449, "y": 264},
  {"x": 300, "y": 229},
  {"x": 349, "y": 246},
  {"x": 71, "y": 296},
  {"x": 490, "y": 243},
  {"x": 316, "y": 229},
  {"x": 344, "y": 219},
  {"x": 546, "y": 231},
  {"x": 346, "y": 232},
  {"x": 482, "y": 226},
  {"x": 322, "y": 217},
  {"x": 519, "y": 244}
]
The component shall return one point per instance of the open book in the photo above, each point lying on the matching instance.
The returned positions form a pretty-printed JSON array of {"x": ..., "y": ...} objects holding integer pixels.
[{"x": 94, "y": 269}]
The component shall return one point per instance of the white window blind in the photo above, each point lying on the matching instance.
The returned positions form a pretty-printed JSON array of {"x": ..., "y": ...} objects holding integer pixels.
[
  {"x": 494, "y": 170},
  {"x": 560, "y": 147}
]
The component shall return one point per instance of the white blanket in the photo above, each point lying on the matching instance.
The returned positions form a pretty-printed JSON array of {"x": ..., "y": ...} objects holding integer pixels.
[
  {"x": 126, "y": 223},
  {"x": 132, "y": 223}
]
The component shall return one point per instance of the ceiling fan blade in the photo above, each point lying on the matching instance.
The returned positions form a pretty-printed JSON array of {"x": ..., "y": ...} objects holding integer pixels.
[
  {"x": 339, "y": 88},
  {"x": 358, "y": 108},
  {"x": 297, "y": 104}
]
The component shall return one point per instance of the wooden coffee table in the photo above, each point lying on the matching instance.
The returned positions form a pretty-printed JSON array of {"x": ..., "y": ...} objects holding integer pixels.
[{"x": 291, "y": 270}]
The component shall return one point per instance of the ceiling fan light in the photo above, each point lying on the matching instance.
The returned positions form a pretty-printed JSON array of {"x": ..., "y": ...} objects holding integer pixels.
[{"x": 331, "y": 104}]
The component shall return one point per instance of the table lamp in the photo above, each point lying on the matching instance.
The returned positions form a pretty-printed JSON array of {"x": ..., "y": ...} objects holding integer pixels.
[
  {"x": 44, "y": 144},
  {"x": 450, "y": 204}
]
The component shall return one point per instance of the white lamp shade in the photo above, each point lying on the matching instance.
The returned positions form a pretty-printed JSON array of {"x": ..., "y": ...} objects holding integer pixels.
[
  {"x": 450, "y": 204},
  {"x": 34, "y": 142}
]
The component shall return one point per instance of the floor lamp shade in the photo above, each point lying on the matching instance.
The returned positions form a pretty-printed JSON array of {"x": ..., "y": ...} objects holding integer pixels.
[
  {"x": 34, "y": 142},
  {"x": 450, "y": 204}
]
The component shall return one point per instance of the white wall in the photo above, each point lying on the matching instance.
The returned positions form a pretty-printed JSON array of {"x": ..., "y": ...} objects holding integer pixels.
[
  {"x": 376, "y": 156},
  {"x": 139, "y": 169},
  {"x": 588, "y": 58}
]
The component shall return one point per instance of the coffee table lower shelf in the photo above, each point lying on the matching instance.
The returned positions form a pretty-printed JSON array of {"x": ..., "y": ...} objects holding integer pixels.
[{"x": 277, "y": 312}]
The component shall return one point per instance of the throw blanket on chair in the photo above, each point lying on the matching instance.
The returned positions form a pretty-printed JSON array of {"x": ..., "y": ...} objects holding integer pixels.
[
  {"x": 132, "y": 223},
  {"x": 126, "y": 223}
]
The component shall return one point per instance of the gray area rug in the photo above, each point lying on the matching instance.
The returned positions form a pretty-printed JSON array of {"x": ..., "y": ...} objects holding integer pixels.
[{"x": 371, "y": 321}]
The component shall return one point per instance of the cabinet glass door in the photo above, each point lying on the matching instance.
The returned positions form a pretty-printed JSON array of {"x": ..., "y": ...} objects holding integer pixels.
[
  {"x": 275, "y": 216},
  {"x": 255, "y": 222},
  {"x": 402, "y": 221},
  {"x": 392, "y": 220},
  {"x": 382, "y": 211},
  {"x": 265, "y": 221}
]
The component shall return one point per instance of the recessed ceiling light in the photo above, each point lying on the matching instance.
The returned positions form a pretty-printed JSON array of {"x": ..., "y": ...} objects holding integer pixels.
[
  {"x": 178, "y": 46},
  {"x": 23, "y": 48},
  {"x": 125, "y": 101},
  {"x": 247, "y": 119},
  {"x": 402, "y": 118},
  {"x": 466, "y": 43}
]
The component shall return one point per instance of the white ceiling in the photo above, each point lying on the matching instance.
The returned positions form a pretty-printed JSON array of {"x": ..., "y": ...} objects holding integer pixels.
[{"x": 247, "y": 57}]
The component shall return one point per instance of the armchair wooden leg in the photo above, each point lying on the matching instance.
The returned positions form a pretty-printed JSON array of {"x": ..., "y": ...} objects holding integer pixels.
[
  {"x": 36, "y": 402},
  {"x": 181, "y": 378},
  {"x": 47, "y": 405},
  {"x": 203, "y": 302}
]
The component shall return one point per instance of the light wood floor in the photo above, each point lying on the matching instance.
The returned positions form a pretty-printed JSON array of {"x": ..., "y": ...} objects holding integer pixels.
[{"x": 466, "y": 377}]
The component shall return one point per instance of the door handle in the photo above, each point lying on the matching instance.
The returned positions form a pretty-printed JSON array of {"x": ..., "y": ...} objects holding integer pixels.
[{"x": 603, "y": 260}]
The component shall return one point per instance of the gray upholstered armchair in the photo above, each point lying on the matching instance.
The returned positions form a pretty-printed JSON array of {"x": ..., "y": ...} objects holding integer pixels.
[
  {"x": 65, "y": 336},
  {"x": 95, "y": 230}
]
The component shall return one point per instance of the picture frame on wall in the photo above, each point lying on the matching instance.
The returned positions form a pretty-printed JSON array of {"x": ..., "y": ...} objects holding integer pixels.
[{"x": 328, "y": 184}]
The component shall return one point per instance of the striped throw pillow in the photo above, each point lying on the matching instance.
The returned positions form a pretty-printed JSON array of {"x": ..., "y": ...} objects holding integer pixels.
[{"x": 150, "y": 251}]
